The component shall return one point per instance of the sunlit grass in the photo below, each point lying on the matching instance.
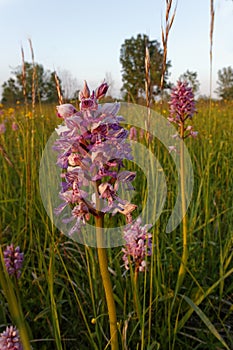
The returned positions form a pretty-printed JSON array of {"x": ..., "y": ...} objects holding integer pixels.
[{"x": 61, "y": 291}]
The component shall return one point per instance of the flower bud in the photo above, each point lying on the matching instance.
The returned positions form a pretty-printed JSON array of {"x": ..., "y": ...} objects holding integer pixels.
[
  {"x": 85, "y": 93},
  {"x": 101, "y": 91},
  {"x": 66, "y": 110}
]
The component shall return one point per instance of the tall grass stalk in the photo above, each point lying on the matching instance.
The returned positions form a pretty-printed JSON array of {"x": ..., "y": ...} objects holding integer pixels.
[
  {"x": 58, "y": 87},
  {"x": 50, "y": 278},
  {"x": 28, "y": 150},
  {"x": 169, "y": 19},
  {"x": 24, "y": 81},
  {"x": 77, "y": 291},
  {"x": 79, "y": 303},
  {"x": 33, "y": 78},
  {"x": 32, "y": 124},
  {"x": 148, "y": 90},
  {"x": 212, "y": 15}
]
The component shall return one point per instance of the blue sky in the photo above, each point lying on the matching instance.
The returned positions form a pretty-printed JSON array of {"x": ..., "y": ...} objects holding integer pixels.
[{"x": 85, "y": 38}]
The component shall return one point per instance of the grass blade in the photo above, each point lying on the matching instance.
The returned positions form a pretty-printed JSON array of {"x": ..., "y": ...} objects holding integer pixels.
[{"x": 206, "y": 320}]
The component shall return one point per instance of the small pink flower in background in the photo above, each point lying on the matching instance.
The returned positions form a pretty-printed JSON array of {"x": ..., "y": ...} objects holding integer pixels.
[
  {"x": 14, "y": 126},
  {"x": 182, "y": 104},
  {"x": 141, "y": 134},
  {"x": 138, "y": 244},
  {"x": 10, "y": 340},
  {"x": 172, "y": 149},
  {"x": 2, "y": 128},
  {"x": 133, "y": 133},
  {"x": 13, "y": 259},
  {"x": 191, "y": 132},
  {"x": 1, "y": 110},
  {"x": 182, "y": 107}
]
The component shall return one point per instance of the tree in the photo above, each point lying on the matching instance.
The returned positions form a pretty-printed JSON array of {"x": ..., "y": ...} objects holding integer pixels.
[
  {"x": 11, "y": 92},
  {"x": 36, "y": 78},
  {"x": 225, "y": 83},
  {"x": 132, "y": 59},
  {"x": 191, "y": 78}
]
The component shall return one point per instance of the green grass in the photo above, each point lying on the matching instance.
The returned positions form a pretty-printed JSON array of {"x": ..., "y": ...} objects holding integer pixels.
[{"x": 60, "y": 289}]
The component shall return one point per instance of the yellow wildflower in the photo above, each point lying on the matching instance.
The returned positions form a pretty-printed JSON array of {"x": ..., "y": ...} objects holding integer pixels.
[
  {"x": 10, "y": 111},
  {"x": 29, "y": 115}
]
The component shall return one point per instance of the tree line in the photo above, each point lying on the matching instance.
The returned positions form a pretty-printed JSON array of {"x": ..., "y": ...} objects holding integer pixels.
[
  {"x": 34, "y": 77},
  {"x": 27, "y": 80}
]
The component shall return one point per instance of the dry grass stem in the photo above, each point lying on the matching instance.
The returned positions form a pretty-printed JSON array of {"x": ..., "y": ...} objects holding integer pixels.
[
  {"x": 60, "y": 98},
  {"x": 147, "y": 81},
  {"x": 212, "y": 13},
  {"x": 5, "y": 155},
  {"x": 147, "y": 86},
  {"x": 24, "y": 82},
  {"x": 169, "y": 19},
  {"x": 33, "y": 77}
]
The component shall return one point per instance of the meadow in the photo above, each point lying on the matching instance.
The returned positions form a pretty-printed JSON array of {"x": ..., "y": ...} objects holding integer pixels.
[{"x": 60, "y": 289}]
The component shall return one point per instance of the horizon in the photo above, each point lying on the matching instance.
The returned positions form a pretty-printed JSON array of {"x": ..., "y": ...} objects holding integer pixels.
[{"x": 87, "y": 43}]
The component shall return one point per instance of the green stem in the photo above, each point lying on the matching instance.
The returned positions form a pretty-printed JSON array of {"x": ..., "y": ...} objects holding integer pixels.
[
  {"x": 103, "y": 264},
  {"x": 14, "y": 305},
  {"x": 184, "y": 258},
  {"x": 136, "y": 296}
]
